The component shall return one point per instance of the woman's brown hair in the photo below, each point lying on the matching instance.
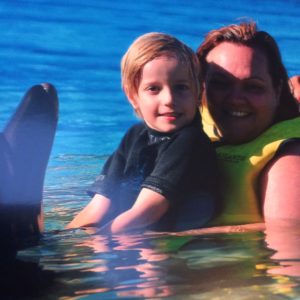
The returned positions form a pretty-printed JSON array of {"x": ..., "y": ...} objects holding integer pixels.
[{"x": 248, "y": 35}]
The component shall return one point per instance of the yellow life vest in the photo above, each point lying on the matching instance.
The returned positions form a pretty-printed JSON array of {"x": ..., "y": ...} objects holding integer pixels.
[{"x": 241, "y": 166}]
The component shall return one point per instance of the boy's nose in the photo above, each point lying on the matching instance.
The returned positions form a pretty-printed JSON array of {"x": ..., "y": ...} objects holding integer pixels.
[{"x": 168, "y": 97}]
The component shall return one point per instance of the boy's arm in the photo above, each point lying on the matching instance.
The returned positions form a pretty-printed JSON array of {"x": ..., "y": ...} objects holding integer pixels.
[
  {"x": 148, "y": 208},
  {"x": 92, "y": 214}
]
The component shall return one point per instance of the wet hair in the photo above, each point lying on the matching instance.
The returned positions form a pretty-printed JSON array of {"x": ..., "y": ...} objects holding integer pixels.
[
  {"x": 248, "y": 35},
  {"x": 150, "y": 46}
]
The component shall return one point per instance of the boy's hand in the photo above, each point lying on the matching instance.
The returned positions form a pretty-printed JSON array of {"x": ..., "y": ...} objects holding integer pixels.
[
  {"x": 149, "y": 207},
  {"x": 92, "y": 214}
]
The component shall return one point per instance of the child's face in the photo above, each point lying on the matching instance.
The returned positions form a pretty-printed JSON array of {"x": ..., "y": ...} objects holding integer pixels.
[{"x": 166, "y": 99}]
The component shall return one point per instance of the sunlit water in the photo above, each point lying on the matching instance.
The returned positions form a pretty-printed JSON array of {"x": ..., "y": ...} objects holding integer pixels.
[{"x": 77, "y": 45}]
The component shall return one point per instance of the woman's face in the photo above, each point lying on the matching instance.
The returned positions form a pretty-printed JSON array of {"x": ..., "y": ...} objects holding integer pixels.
[{"x": 239, "y": 92}]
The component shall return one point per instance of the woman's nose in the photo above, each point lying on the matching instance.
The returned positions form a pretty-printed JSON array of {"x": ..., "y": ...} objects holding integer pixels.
[{"x": 237, "y": 94}]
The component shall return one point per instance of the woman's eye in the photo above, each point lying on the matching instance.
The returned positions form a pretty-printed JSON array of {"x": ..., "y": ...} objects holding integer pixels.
[{"x": 254, "y": 88}]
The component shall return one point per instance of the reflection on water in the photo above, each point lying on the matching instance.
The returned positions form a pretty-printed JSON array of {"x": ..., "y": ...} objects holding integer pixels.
[
  {"x": 286, "y": 244},
  {"x": 149, "y": 266}
]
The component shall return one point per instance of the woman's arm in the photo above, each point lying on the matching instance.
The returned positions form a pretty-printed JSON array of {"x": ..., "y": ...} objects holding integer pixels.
[
  {"x": 281, "y": 187},
  {"x": 92, "y": 214},
  {"x": 149, "y": 207}
]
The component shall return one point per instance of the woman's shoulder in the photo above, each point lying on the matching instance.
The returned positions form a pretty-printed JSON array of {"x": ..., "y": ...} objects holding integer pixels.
[
  {"x": 287, "y": 156},
  {"x": 280, "y": 183}
]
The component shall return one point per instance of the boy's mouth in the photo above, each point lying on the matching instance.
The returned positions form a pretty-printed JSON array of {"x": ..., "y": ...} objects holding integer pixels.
[{"x": 170, "y": 115}]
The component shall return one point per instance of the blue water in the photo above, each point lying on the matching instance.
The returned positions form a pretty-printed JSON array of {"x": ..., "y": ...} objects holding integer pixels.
[{"x": 77, "y": 45}]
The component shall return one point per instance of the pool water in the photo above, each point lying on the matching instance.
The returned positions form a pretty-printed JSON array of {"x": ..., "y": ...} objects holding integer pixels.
[
  {"x": 81, "y": 265},
  {"x": 77, "y": 46}
]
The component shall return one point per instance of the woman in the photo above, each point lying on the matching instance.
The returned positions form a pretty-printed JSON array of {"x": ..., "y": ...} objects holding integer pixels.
[{"x": 249, "y": 108}]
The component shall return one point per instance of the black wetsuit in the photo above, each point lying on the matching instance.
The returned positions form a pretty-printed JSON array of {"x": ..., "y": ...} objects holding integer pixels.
[{"x": 182, "y": 166}]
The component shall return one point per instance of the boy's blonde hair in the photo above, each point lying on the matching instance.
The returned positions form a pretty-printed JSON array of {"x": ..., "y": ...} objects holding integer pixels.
[{"x": 150, "y": 46}]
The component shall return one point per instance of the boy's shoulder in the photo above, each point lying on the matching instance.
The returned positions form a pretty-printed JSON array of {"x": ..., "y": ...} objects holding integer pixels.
[
  {"x": 193, "y": 134},
  {"x": 136, "y": 129},
  {"x": 134, "y": 132}
]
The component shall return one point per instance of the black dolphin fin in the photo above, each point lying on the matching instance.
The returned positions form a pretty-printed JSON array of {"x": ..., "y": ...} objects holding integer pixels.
[{"x": 25, "y": 146}]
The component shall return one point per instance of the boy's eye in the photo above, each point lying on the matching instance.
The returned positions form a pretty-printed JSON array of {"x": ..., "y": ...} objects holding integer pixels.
[
  {"x": 182, "y": 87},
  {"x": 153, "y": 88}
]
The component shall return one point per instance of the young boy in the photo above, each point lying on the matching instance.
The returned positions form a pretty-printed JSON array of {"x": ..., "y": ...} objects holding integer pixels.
[{"x": 163, "y": 174}]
